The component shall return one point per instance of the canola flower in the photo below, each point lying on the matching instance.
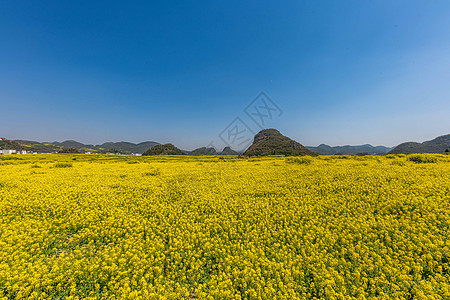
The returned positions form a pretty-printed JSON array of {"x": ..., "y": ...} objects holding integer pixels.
[{"x": 118, "y": 227}]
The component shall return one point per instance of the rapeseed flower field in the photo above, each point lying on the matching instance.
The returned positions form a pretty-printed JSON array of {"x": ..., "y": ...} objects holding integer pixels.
[{"x": 123, "y": 227}]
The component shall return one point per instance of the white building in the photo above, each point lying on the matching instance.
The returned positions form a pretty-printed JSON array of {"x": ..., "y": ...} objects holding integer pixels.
[{"x": 8, "y": 151}]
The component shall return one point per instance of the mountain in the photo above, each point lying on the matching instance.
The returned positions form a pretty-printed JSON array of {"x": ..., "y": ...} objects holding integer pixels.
[
  {"x": 267, "y": 142},
  {"x": 437, "y": 145},
  {"x": 126, "y": 147},
  {"x": 272, "y": 142},
  {"x": 204, "y": 151},
  {"x": 211, "y": 151},
  {"x": 119, "y": 147},
  {"x": 349, "y": 150},
  {"x": 37, "y": 147},
  {"x": 69, "y": 144},
  {"x": 383, "y": 149},
  {"x": 323, "y": 149},
  {"x": 228, "y": 151},
  {"x": 166, "y": 149},
  {"x": 9, "y": 145}
]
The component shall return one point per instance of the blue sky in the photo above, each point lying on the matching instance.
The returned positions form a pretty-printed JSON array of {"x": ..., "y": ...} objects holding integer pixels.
[{"x": 342, "y": 72}]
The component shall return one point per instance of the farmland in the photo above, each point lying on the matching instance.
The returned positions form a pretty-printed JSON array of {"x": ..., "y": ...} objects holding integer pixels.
[{"x": 124, "y": 227}]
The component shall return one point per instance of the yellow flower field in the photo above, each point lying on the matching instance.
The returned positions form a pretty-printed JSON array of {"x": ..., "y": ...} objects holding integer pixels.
[{"x": 123, "y": 227}]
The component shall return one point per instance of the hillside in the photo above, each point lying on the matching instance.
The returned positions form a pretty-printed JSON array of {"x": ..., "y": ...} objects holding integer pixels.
[
  {"x": 9, "y": 145},
  {"x": 272, "y": 142},
  {"x": 70, "y": 144},
  {"x": 323, "y": 149},
  {"x": 38, "y": 147},
  {"x": 437, "y": 145},
  {"x": 126, "y": 147},
  {"x": 228, "y": 151},
  {"x": 166, "y": 149},
  {"x": 114, "y": 147},
  {"x": 267, "y": 142},
  {"x": 204, "y": 151}
]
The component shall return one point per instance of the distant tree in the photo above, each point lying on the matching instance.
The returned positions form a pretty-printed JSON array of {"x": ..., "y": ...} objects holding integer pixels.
[
  {"x": 447, "y": 151},
  {"x": 68, "y": 150}
]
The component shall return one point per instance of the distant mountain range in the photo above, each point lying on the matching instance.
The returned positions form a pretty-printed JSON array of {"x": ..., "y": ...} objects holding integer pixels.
[
  {"x": 266, "y": 142},
  {"x": 48, "y": 147},
  {"x": 349, "y": 150},
  {"x": 437, "y": 145}
]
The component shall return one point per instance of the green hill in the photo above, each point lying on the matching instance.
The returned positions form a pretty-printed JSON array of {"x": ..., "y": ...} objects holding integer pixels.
[
  {"x": 204, "y": 151},
  {"x": 228, "y": 151},
  {"x": 126, "y": 147},
  {"x": 70, "y": 144},
  {"x": 113, "y": 147},
  {"x": 272, "y": 142},
  {"x": 6, "y": 144},
  {"x": 38, "y": 147},
  {"x": 166, "y": 149},
  {"x": 437, "y": 145},
  {"x": 323, "y": 149}
]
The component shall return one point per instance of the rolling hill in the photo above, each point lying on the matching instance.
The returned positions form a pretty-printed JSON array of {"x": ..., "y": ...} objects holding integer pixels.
[
  {"x": 126, "y": 147},
  {"x": 166, "y": 149},
  {"x": 48, "y": 147},
  {"x": 324, "y": 149},
  {"x": 10, "y": 145},
  {"x": 437, "y": 145},
  {"x": 203, "y": 151},
  {"x": 228, "y": 151},
  {"x": 266, "y": 142}
]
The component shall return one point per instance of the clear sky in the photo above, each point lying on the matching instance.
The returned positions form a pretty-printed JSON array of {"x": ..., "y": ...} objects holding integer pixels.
[{"x": 341, "y": 72}]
